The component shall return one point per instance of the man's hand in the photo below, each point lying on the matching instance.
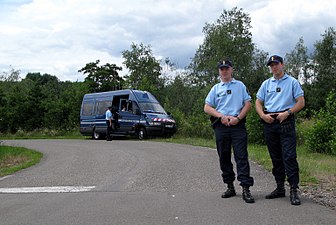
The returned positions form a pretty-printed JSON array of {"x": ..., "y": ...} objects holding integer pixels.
[
  {"x": 233, "y": 120},
  {"x": 268, "y": 118},
  {"x": 225, "y": 120},
  {"x": 282, "y": 116}
]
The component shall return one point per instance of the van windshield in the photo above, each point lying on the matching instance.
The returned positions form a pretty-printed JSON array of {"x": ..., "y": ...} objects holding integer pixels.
[{"x": 150, "y": 107}]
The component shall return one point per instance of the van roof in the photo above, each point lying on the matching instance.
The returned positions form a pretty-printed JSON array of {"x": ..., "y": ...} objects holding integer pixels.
[{"x": 141, "y": 96}]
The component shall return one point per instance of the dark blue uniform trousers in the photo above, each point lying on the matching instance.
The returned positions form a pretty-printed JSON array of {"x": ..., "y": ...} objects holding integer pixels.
[
  {"x": 281, "y": 143},
  {"x": 108, "y": 130},
  {"x": 235, "y": 136}
]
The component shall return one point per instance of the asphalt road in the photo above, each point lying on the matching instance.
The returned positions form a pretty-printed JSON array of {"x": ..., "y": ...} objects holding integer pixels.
[{"x": 139, "y": 182}]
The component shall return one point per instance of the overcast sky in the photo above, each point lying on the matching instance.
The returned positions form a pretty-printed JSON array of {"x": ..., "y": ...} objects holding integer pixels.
[{"x": 59, "y": 37}]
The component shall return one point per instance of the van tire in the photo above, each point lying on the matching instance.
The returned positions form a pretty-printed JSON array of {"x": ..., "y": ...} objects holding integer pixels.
[
  {"x": 96, "y": 135},
  {"x": 142, "y": 134}
]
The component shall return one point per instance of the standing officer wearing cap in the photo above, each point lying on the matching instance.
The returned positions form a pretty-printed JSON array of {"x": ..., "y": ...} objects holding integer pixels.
[
  {"x": 229, "y": 102},
  {"x": 278, "y": 98}
]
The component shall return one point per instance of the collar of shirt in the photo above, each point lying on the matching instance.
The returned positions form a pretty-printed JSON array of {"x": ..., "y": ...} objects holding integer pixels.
[
  {"x": 227, "y": 83},
  {"x": 285, "y": 76}
]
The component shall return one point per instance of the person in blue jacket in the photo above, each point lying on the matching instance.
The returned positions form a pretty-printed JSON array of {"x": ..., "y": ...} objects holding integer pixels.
[
  {"x": 278, "y": 98},
  {"x": 227, "y": 103}
]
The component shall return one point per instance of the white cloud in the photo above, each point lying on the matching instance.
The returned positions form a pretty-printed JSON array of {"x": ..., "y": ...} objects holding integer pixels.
[{"x": 59, "y": 37}]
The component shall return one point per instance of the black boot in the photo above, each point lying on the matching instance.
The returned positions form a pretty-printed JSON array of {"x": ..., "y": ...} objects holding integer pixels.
[
  {"x": 247, "y": 195},
  {"x": 294, "y": 196},
  {"x": 279, "y": 192},
  {"x": 229, "y": 192}
]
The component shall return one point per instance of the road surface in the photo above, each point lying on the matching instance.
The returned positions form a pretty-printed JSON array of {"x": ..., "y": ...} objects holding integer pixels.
[{"x": 139, "y": 182}]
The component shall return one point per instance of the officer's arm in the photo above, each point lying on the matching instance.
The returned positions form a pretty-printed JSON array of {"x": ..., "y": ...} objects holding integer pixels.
[
  {"x": 208, "y": 109},
  {"x": 259, "y": 108},
  {"x": 247, "y": 107},
  {"x": 300, "y": 103}
]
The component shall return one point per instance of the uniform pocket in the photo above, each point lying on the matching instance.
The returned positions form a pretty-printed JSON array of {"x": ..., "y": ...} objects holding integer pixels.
[{"x": 287, "y": 126}]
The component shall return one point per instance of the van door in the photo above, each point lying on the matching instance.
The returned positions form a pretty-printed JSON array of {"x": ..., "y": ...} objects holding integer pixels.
[
  {"x": 100, "y": 118},
  {"x": 128, "y": 118}
]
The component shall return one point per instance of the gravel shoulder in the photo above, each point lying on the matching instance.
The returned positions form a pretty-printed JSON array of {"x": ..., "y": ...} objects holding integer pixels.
[{"x": 323, "y": 193}]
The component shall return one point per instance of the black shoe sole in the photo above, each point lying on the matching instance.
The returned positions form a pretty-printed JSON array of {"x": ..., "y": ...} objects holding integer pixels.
[
  {"x": 296, "y": 203},
  {"x": 277, "y": 196},
  {"x": 249, "y": 201},
  {"x": 228, "y": 196}
]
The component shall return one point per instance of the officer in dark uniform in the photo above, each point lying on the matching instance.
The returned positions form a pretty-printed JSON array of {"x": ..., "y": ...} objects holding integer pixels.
[
  {"x": 229, "y": 102},
  {"x": 278, "y": 98}
]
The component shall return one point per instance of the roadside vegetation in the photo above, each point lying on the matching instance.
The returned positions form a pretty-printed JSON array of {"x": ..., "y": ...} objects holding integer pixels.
[
  {"x": 13, "y": 159},
  {"x": 44, "y": 134}
]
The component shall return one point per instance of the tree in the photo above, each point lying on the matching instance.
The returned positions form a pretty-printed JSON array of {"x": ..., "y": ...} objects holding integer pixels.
[
  {"x": 102, "y": 78},
  {"x": 144, "y": 68},
  {"x": 297, "y": 60},
  {"x": 325, "y": 60},
  {"x": 16, "y": 97},
  {"x": 259, "y": 71},
  {"x": 33, "y": 108},
  {"x": 229, "y": 37},
  {"x": 3, "y": 111},
  {"x": 11, "y": 76},
  {"x": 321, "y": 71}
]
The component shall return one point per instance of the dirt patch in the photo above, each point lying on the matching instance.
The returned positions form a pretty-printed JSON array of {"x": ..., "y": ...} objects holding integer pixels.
[
  {"x": 324, "y": 193},
  {"x": 10, "y": 161}
]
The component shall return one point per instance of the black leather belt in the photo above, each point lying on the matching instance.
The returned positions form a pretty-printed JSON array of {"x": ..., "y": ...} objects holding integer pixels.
[{"x": 275, "y": 115}]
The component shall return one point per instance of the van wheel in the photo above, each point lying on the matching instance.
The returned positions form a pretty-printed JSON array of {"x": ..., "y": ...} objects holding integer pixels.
[
  {"x": 142, "y": 134},
  {"x": 96, "y": 135}
]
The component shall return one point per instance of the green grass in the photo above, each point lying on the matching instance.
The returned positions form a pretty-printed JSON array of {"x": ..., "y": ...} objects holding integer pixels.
[
  {"x": 13, "y": 159},
  {"x": 314, "y": 167}
]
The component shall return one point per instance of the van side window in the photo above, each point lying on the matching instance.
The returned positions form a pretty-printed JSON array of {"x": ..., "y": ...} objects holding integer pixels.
[
  {"x": 126, "y": 105},
  {"x": 87, "y": 109},
  {"x": 123, "y": 105},
  {"x": 134, "y": 107},
  {"x": 118, "y": 100},
  {"x": 102, "y": 106}
]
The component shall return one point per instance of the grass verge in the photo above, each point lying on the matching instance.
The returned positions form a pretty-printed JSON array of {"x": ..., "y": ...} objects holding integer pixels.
[{"x": 13, "y": 159}]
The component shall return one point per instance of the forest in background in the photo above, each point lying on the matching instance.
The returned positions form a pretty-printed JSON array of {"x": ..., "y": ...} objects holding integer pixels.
[{"x": 42, "y": 101}]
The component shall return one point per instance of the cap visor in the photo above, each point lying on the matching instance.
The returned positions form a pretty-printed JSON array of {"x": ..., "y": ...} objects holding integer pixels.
[
  {"x": 274, "y": 61},
  {"x": 225, "y": 65}
]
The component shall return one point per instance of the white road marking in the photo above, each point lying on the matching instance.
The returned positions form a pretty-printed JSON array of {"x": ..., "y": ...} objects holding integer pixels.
[
  {"x": 58, "y": 189},
  {"x": 2, "y": 178}
]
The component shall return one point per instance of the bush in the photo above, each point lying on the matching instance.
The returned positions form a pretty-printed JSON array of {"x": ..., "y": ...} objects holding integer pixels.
[
  {"x": 322, "y": 136},
  {"x": 302, "y": 130},
  {"x": 254, "y": 127}
]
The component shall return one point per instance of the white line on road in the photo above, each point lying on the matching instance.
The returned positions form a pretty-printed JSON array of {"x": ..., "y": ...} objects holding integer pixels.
[
  {"x": 59, "y": 189},
  {"x": 2, "y": 178}
]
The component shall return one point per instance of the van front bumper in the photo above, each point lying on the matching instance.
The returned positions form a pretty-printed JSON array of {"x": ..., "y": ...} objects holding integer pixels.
[{"x": 165, "y": 129}]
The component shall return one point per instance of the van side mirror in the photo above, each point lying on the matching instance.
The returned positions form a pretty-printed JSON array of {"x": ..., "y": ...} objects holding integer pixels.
[
  {"x": 137, "y": 112},
  {"x": 168, "y": 113}
]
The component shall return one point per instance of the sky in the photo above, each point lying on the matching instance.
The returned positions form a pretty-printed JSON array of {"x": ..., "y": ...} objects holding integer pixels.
[{"x": 59, "y": 37}]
